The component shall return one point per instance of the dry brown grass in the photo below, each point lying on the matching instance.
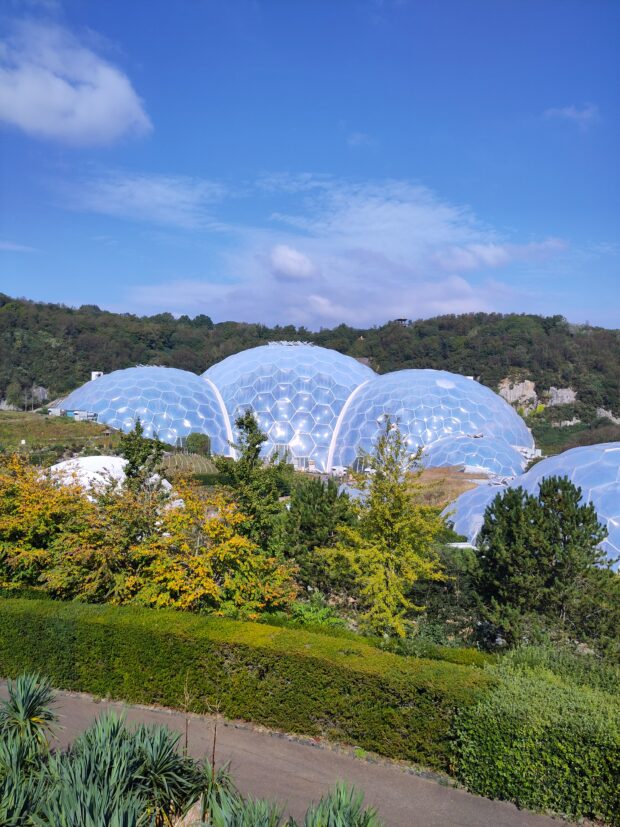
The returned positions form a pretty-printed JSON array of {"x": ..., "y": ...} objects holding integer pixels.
[{"x": 441, "y": 486}]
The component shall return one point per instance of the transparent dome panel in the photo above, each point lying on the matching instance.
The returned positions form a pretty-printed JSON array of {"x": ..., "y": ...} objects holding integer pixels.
[
  {"x": 428, "y": 405},
  {"x": 595, "y": 469},
  {"x": 169, "y": 402},
  {"x": 297, "y": 392},
  {"x": 475, "y": 454}
]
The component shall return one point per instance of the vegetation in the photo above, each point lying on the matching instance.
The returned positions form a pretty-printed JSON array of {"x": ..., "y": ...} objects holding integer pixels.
[
  {"x": 341, "y": 689},
  {"x": 539, "y": 566},
  {"x": 553, "y": 435},
  {"x": 56, "y": 347},
  {"x": 121, "y": 777},
  {"x": 378, "y": 558},
  {"x": 133, "y": 545},
  {"x": 49, "y": 439},
  {"x": 544, "y": 742},
  {"x": 257, "y": 486},
  {"x": 374, "y": 628}
]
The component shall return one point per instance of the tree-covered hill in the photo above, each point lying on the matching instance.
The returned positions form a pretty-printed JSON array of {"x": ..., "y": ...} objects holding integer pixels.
[{"x": 56, "y": 347}]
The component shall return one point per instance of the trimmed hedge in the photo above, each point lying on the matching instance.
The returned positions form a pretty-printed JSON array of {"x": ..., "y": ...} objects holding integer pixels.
[
  {"x": 544, "y": 744},
  {"x": 286, "y": 678}
]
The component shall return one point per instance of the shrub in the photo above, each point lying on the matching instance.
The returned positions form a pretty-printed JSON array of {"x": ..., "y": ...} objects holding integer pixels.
[
  {"x": 542, "y": 743},
  {"x": 286, "y": 678},
  {"x": 575, "y": 668}
]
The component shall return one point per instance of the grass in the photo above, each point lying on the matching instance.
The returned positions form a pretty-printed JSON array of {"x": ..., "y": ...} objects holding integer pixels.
[
  {"x": 50, "y": 437},
  {"x": 441, "y": 486},
  {"x": 188, "y": 464}
]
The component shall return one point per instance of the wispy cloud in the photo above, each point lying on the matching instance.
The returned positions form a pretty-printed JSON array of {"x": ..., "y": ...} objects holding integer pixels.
[
  {"x": 52, "y": 86},
  {"x": 173, "y": 200},
  {"x": 10, "y": 247},
  {"x": 582, "y": 116},
  {"x": 354, "y": 252},
  {"x": 360, "y": 139}
]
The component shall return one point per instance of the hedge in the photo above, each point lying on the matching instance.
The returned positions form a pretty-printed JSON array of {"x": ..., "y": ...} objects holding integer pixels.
[
  {"x": 285, "y": 678},
  {"x": 544, "y": 744}
]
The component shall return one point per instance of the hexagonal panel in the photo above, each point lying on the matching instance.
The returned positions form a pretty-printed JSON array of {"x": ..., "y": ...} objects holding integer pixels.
[
  {"x": 428, "y": 405},
  {"x": 593, "y": 468},
  {"x": 169, "y": 402},
  {"x": 307, "y": 385}
]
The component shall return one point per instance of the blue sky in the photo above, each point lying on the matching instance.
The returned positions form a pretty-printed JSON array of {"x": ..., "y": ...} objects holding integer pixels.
[{"x": 312, "y": 161}]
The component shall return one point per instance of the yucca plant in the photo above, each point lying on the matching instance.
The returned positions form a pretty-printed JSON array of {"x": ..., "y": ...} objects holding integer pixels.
[
  {"x": 169, "y": 781},
  {"x": 341, "y": 807},
  {"x": 20, "y": 797},
  {"x": 220, "y": 796},
  {"x": 89, "y": 806},
  {"x": 18, "y": 757},
  {"x": 28, "y": 711}
]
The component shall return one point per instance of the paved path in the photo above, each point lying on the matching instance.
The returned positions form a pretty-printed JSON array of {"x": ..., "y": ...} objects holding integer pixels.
[{"x": 269, "y": 765}]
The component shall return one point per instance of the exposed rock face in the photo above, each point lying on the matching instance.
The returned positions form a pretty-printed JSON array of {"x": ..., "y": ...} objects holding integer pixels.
[
  {"x": 561, "y": 396},
  {"x": 522, "y": 393},
  {"x": 5, "y": 406},
  {"x": 604, "y": 414}
]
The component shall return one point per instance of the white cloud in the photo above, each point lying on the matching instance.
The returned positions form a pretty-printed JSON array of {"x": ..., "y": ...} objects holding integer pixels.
[
  {"x": 358, "y": 253},
  {"x": 477, "y": 256},
  {"x": 10, "y": 247},
  {"x": 288, "y": 263},
  {"x": 582, "y": 116},
  {"x": 51, "y": 86},
  {"x": 175, "y": 200}
]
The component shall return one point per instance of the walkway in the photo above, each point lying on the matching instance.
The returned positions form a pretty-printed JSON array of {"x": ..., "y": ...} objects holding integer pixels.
[{"x": 294, "y": 772}]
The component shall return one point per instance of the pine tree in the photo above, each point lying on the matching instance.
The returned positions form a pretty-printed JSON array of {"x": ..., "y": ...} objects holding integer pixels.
[
  {"x": 538, "y": 554},
  {"x": 315, "y": 511},
  {"x": 255, "y": 485},
  {"x": 143, "y": 455}
]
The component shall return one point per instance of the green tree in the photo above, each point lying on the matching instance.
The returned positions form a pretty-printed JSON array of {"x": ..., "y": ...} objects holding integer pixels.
[
  {"x": 255, "y": 485},
  {"x": 393, "y": 543},
  {"x": 316, "y": 509},
  {"x": 198, "y": 444},
  {"x": 538, "y": 556},
  {"x": 143, "y": 455}
]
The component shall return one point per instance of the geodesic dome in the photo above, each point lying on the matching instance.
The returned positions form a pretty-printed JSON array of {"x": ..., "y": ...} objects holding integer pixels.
[
  {"x": 466, "y": 513},
  {"x": 475, "y": 454},
  {"x": 296, "y": 392},
  {"x": 428, "y": 405},
  {"x": 593, "y": 468},
  {"x": 169, "y": 402}
]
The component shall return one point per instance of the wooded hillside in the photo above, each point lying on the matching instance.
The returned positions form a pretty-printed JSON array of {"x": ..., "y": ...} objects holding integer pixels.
[{"x": 56, "y": 347}]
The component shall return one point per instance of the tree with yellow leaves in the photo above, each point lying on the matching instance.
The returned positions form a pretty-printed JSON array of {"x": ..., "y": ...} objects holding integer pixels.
[
  {"x": 198, "y": 560},
  {"x": 35, "y": 512},
  {"x": 393, "y": 543}
]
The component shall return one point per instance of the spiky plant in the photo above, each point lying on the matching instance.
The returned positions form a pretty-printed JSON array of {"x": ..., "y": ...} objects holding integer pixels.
[
  {"x": 84, "y": 806},
  {"x": 342, "y": 807},
  {"x": 251, "y": 812},
  {"x": 169, "y": 781},
  {"x": 28, "y": 711},
  {"x": 20, "y": 797},
  {"x": 220, "y": 795}
]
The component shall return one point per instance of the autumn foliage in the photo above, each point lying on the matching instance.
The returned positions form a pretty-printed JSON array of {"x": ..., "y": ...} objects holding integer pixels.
[{"x": 134, "y": 545}]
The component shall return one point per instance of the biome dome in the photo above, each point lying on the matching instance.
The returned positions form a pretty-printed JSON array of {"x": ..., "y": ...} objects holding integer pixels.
[
  {"x": 296, "y": 391},
  {"x": 486, "y": 454},
  {"x": 169, "y": 402},
  {"x": 428, "y": 405},
  {"x": 320, "y": 407},
  {"x": 593, "y": 468}
]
